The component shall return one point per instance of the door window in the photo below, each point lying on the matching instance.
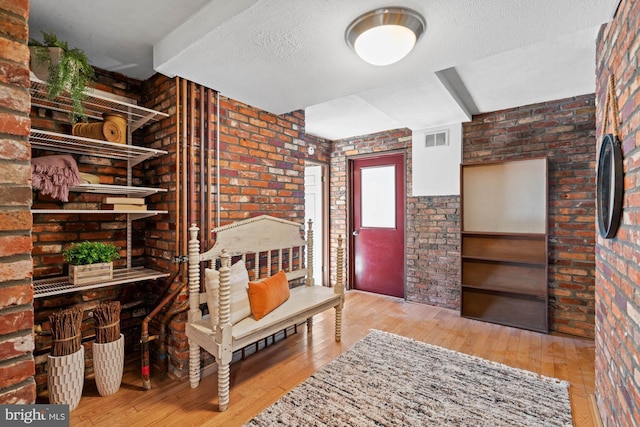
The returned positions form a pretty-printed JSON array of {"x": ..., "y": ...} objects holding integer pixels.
[{"x": 378, "y": 197}]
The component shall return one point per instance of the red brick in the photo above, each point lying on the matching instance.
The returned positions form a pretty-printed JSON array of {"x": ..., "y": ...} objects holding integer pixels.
[
  {"x": 16, "y": 346},
  {"x": 23, "y": 395},
  {"x": 14, "y": 125},
  {"x": 15, "y": 191},
  {"x": 15, "y": 149},
  {"x": 15, "y": 270},
  {"x": 15, "y": 98},
  {"x": 14, "y": 74},
  {"x": 15, "y": 321},
  {"x": 14, "y": 51},
  {"x": 15, "y": 220},
  {"x": 14, "y": 245},
  {"x": 14, "y": 27},
  {"x": 15, "y": 173},
  {"x": 17, "y": 7},
  {"x": 616, "y": 275},
  {"x": 15, "y": 373}
]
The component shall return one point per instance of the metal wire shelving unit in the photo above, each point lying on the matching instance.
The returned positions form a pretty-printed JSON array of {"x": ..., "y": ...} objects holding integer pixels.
[{"x": 97, "y": 104}]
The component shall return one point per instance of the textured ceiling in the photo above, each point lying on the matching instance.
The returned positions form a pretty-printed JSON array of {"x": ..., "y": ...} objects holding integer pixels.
[
  {"x": 117, "y": 35},
  {"x": 284, "y": 55}
]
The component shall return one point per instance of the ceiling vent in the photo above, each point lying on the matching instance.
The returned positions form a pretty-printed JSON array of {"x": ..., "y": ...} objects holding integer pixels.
[{"x": 436, "y": 139}]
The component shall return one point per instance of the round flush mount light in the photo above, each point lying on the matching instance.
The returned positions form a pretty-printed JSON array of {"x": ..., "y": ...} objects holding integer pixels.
[{"x": 385, "y": 36}]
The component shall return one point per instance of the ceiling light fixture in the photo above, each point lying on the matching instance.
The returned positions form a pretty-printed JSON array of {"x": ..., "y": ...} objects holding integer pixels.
[{"x": 384, "y": 36}]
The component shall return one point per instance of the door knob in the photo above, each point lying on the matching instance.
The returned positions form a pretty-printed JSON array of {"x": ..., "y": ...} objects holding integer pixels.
[{"x": 355, "y": 233}]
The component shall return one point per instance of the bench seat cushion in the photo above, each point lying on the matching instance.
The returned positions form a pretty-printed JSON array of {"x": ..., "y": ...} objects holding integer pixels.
[{"x": 302, "y": 300}]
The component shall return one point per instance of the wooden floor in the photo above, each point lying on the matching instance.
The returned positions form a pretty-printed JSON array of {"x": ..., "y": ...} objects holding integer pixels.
[{"x": 262, "y": 378}]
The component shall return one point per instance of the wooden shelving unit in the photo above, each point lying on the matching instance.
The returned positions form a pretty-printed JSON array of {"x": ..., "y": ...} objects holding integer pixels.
[
  {"x": 96, "y": 104},
  {"x": 504, "y": 243}
]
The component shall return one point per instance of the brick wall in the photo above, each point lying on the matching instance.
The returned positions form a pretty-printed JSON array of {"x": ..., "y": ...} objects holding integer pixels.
[
  {"x": 262, "y": 159},
  {"x": 432, "y": 223},
  {"x": 261, "y": 163},
  {"x": 16, "y": 295},
  {"x": 618, "y": 259},
  {"x": 564, "y": 131},
  {"x": 433, "y": 250},
  {"x": 54, "y": 233},
  {"x": 341, "y": 152}
]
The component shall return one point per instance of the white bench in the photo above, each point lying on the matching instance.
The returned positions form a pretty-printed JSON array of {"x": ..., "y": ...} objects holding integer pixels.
[{"x": 272, "y": 244}]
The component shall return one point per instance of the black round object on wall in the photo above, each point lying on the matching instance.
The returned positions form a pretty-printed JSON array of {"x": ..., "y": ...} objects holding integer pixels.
[{"x": 610, "y": 186}]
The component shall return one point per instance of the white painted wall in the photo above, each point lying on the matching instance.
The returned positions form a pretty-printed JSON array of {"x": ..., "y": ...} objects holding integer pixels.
[{"x": 436, "y": 170}]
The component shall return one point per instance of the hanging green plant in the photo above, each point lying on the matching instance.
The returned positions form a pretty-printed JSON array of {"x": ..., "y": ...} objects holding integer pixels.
[{"x": 72, "y": 73}]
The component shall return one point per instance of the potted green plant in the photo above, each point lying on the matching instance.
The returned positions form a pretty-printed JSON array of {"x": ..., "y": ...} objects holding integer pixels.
[
  {"x": 68, "y": 70},
  {"x": 90, "y": 262}
]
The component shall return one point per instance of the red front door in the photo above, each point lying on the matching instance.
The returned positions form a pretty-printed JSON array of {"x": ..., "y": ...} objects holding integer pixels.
[{"x": 377, "y": 238}]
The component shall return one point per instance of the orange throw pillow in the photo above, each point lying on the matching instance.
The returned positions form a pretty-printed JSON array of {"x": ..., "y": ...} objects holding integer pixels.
[{"x": 268, "y": 294}]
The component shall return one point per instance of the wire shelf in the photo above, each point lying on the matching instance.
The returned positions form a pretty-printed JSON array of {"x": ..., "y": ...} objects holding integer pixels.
[
  {"x": 91, "y": 147},
  {"x": 61, "y": 285},
  {"x": 95, "y": 105},
  {"x": 116, "y": 189},
  {"x": 133, "y": 214}
]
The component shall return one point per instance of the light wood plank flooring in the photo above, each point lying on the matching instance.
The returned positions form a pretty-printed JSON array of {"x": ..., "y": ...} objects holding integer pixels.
[{"x": 262, "y": 378}]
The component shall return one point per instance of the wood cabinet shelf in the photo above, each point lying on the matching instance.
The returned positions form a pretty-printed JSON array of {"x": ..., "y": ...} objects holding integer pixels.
[
  {"x": 505, "y": 277},
  {"x": 512, "y": 260},
  {"x": 504, "y": 290},
  {"x": 517, "y": 310},
  {"x": 503, "y": 234},
  {"x": 504, "y": 243},
  {"x": 525, "y": 248},
  {"x": 61, "y": 285}
]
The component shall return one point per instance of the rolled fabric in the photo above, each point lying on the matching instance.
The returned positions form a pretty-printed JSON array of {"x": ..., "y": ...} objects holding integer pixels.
[
  {"x": 113, "y": 129},
  {"x": 88, "y": 130},
  {"x": 120, "y": 121},
  {"x": 88, "y": 178},
  {"x": 111, "y": 132}
]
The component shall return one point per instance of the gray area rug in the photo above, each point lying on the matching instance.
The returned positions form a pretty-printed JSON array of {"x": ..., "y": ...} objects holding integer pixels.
[{"x": 389, "y": 380}]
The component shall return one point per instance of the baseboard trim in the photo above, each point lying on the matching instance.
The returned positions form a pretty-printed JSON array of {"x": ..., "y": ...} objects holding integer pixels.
[{"x": 595, "y": 412}]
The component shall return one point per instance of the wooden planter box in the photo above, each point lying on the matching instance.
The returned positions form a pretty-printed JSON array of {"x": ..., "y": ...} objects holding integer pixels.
[
  {"x": 41, "y": 69},
  {"x": 92, "y": 273}
]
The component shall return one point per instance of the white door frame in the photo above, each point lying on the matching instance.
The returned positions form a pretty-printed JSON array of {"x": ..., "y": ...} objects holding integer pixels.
[{"x": 321, "y": 238}]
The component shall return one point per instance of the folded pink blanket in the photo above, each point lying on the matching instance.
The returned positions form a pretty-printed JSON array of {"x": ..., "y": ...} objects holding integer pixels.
[{"x": 53, "y": 175}]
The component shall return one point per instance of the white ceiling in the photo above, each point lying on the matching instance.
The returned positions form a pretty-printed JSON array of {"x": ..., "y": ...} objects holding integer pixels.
[{"x": 285, "y": 55}]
